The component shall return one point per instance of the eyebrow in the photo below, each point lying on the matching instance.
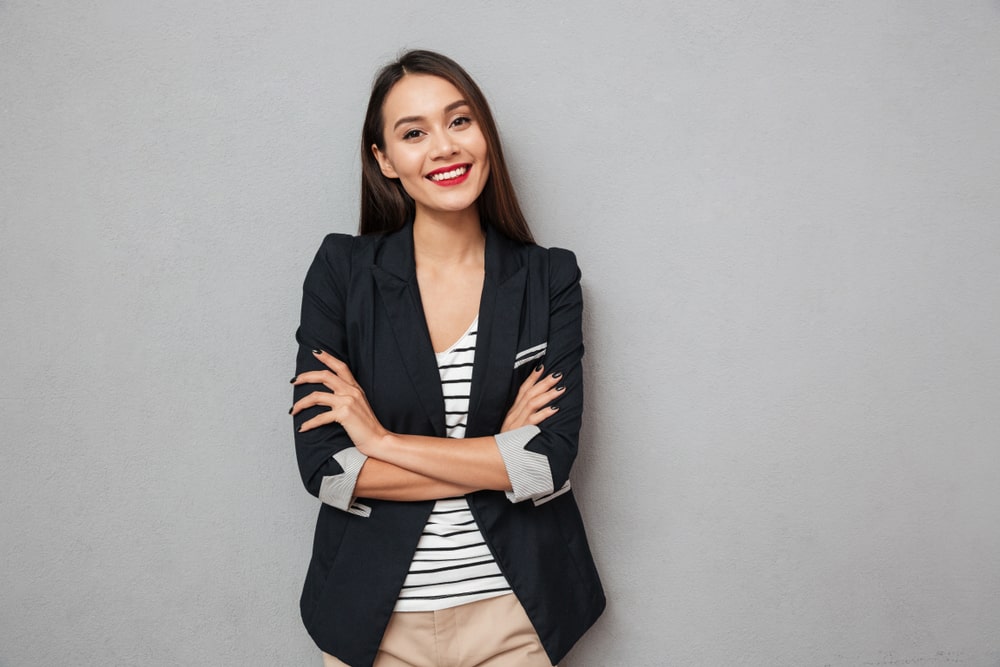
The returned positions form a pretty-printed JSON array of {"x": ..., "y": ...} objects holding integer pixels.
[{"x": 411, "y": 119}]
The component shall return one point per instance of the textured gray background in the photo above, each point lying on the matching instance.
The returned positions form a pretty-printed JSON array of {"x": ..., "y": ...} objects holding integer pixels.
[{"x": 787, "y": 217}]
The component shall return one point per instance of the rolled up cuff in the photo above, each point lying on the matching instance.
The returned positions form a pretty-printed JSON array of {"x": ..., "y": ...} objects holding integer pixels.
[
  {"x": 529, "y": 472},
  {"x": 338, "y": 490}
]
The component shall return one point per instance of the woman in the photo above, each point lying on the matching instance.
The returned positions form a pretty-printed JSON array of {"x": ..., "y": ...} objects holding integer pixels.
[{"x": 438, "y": 400}]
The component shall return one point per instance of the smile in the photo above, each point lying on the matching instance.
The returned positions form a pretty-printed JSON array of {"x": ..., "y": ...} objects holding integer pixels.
[{"x": 450, "y": 175}]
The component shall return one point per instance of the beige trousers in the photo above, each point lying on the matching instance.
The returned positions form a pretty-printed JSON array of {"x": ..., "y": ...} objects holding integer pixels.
[{"x": 489, "y": 633}]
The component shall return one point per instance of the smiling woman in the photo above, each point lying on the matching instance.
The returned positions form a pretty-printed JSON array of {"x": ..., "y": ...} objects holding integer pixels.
[
  {"x": 439, "y": 154},
  {"x": 438, "y": 401}
]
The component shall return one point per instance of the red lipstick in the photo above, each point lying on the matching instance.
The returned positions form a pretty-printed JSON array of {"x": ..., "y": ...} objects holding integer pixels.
[{"x": 451, "y": 175}]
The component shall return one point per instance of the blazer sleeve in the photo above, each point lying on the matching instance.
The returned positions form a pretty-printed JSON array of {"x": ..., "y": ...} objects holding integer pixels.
[
  {"x": 328, "y": 461},
  {"x": 539, "y": 459}
]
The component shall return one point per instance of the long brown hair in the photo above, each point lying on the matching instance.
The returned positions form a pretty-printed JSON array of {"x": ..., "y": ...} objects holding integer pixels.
[{"x": 385, "y": 206}]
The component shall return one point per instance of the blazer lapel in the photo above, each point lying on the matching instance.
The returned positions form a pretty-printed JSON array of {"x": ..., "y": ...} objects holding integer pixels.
[
  {"x": 496, "y": 343},
  {"x": 395, "y": 275}
]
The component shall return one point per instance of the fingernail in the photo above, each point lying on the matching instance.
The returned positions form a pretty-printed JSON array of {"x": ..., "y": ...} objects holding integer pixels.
[
  {"x": 538, "y": 368},
  {"x": 556, "y": 376},
  {"x": 317, "y": 351},
  {"x": 292, "y": 381},
  {"x": 560, "y": 388},
  {"x": 553, "y": 407},
  {"x": 290, "y": 409}
]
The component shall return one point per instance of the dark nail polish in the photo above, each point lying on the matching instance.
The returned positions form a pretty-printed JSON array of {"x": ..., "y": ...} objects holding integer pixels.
[
  {"x": 561, "y": 388},
  {"x": 292, "y": 381},
  {"x": 538, "y": 368},
  {"x": 553, "y": 407},
  {"x": 290, "y": 410},
  {"x": 557, "y": 375},
  {"x": 317, "y": 351}
]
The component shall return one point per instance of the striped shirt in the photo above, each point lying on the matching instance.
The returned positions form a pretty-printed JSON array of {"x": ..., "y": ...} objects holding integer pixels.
[{"x": 452, "y": 564}]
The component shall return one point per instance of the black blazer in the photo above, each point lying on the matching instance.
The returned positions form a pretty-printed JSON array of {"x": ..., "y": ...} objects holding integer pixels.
[{"x": 362, "y": 304}]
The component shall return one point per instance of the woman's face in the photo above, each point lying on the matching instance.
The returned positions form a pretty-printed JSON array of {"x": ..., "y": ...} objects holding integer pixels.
[{"x": 433, "y": 145}]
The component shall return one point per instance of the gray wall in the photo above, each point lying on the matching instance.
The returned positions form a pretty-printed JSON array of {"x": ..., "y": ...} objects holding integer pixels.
[{"x": 787, "y": 217}]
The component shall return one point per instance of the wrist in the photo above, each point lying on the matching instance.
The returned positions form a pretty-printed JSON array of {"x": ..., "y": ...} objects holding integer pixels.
[{"x": 380, "y": 444}]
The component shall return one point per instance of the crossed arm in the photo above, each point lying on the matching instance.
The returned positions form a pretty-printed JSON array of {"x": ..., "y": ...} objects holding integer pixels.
[{"x": 413, "y": 467}]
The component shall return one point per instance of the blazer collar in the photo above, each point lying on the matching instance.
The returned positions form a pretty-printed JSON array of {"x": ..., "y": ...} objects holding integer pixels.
[{"x": 395, "y": 275}]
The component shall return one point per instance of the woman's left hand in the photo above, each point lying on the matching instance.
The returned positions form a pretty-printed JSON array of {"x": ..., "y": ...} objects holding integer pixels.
[{"x": 348, "y": 404}]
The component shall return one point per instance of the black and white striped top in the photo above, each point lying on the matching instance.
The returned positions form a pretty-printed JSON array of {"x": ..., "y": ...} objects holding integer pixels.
[{"x": 452, "y": 564}]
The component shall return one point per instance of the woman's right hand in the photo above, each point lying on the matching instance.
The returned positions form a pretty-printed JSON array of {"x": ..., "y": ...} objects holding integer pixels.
[
  {"x": 532, "y": 405},
  {"x": 346, "y": 400}
]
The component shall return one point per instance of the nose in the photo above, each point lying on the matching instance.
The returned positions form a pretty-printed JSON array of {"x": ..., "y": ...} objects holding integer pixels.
[{"x": 443, "y": 145}]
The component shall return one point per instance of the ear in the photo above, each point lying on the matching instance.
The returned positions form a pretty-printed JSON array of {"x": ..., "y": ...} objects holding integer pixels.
[{"x": 383, "y": 163}]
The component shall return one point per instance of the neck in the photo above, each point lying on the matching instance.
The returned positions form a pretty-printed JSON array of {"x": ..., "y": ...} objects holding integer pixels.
[{"x": 452, "y": 238}]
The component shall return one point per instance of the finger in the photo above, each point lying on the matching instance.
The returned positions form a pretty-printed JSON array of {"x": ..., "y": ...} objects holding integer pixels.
[
  {"x": 312, "y": 377},
  {"x": 538, "y": 402},
  {"x": 326, "y": 378},
  {"x": 322, "y": 419},
  {"x": 532, "y": 378},
  {"x": 336, "y": 365},
  {"x": 543, "y": 385},
  {"x": 316, "y": 398},
  {"x": 536, "y": 418}
]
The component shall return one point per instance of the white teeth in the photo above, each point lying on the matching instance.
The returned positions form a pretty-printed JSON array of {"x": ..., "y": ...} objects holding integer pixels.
[{"x": 448, "y": 175}]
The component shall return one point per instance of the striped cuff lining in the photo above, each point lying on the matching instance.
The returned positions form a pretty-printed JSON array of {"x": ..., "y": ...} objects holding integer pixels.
[
  {"x": 529, "y": 472},
  {"x": 338, "y": 490}
]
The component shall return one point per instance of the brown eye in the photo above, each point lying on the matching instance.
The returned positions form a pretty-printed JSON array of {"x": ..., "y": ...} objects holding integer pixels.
[{"x": 412, "y": 134}]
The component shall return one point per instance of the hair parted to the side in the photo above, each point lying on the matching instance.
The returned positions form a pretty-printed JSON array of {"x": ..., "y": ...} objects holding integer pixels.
[{"x": 385, "y": 206}]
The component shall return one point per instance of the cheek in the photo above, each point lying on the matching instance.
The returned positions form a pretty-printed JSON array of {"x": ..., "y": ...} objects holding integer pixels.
[
  {"x": 486, "y": 165},
  {"x": 482, "y": 151},
  {"x": 405, "y": 162}
]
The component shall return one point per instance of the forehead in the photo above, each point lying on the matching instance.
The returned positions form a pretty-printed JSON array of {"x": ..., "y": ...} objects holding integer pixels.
[{"x": 419, "y": 95}]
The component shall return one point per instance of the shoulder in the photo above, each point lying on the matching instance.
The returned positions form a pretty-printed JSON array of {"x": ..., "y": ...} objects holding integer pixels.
[
  {"x": 558, "y": 264},
  {"x": 562, "y": 263},
  {"x": 556, "y": 259},
  {"x": 334, "y": 262},
  {"x": 333, "y": 243},
  {"x": 340, "y": 251},
  {"x": 343, "y": 246}
]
